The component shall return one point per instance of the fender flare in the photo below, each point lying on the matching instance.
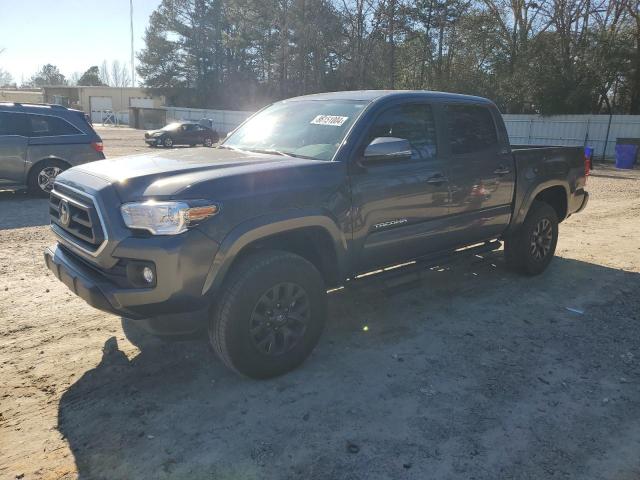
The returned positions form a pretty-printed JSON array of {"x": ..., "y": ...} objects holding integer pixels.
[
  {"x": 262, "y": 227},
  {"x": 529, "y": 197}
]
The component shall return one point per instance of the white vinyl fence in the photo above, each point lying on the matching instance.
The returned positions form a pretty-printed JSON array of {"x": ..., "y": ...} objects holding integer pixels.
[
  {"x": 596, "y": 131},
  {"x": 223, "y": 120},
  {"x": 110, "y": 118}
]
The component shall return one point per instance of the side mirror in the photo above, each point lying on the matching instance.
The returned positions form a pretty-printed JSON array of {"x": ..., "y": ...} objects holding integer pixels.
[{"x": 387, "y": 148}]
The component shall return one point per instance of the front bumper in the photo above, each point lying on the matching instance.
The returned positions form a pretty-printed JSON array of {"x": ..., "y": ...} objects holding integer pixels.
[
  {"x": 152, "y": 140},
  {"x": 181, "y": 266},
  {"x": 78, "y": 279}
]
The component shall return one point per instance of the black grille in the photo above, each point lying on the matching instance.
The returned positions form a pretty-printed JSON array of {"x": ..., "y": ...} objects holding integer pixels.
[{"x": 83, "y": 226}]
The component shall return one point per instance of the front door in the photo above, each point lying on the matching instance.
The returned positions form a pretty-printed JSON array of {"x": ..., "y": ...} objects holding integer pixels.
[
  {"x": 399, "y": 206},
  {"x": 13, "y": 148},
  {"x": 482, "y": 175}
]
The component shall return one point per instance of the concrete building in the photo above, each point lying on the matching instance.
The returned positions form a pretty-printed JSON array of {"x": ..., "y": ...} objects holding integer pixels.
[
  {"x": 95, "y": 101},
  {"x": 21, "y": 95}
]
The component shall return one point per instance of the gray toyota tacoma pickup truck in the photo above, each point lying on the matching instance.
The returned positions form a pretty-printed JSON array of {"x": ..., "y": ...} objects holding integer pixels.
[{"x": 306, "y": 195}]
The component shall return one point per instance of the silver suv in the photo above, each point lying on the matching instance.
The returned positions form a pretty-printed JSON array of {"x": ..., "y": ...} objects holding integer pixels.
[{"x": 37, "y": 142}]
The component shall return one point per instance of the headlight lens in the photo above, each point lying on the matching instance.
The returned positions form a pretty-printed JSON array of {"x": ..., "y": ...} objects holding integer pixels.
[{"x": 166, "y": 218}]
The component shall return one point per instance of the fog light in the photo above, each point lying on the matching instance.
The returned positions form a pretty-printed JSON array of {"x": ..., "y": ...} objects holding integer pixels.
[{"x": 147, "y": 274}]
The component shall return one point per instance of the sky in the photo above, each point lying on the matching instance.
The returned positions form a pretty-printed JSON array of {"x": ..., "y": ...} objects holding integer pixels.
[{"x": 71, "y": 34}]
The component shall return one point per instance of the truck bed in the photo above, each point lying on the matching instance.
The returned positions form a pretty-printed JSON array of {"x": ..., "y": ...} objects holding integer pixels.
[{"x": 541, "y": 165}]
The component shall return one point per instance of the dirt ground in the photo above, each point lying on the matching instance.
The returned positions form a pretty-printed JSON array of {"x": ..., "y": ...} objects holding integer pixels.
[
  {"x": 120, "y": 141},
  {"x": 474, "y": 372}
]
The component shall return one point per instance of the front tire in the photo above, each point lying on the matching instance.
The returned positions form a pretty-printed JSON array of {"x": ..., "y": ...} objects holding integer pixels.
[
  {"x": 208, "y": 142},
  {"x": 43, "y": 175},
  {"x": 167, "y": 142},
  {"x": 532, "y": 247},
  {"x": 270, "y": 314}
]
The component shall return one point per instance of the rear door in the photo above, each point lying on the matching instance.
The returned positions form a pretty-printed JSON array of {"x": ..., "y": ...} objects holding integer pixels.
[
  {"x": 187, "y": 134},
  {"x": 13, "y": 148},
  {"x": 201, "y": 132},
  {"x": 400, "y": 206},
  {"x": 194, "y": 133},
  {"x": 482, "y": 175}
]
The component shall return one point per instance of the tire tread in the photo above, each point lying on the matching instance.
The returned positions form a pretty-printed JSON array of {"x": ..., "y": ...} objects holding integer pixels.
[
  {"x": 248, "y": 266},
  {"x": 515, "y": 249}
]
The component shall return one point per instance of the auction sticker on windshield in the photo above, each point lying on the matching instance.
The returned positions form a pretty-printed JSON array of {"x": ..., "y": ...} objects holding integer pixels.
[{"x": 332, "y": 120}]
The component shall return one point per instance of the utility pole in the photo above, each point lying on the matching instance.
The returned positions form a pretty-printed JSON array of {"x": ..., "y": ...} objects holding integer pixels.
[{"x": 133, "y": 68}]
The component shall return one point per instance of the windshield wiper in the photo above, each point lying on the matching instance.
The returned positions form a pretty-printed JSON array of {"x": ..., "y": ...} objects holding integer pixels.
[
  {"x": 265, "y": 150},
  {"x": 277, "y": 152}
]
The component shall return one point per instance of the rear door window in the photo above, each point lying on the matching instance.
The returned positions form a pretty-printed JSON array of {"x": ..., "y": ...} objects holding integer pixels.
[
  {"x": 412, "y": 122},
  {"x": 47, "y": 126},
  {"x": 471, "y": 129},
  {"x": 13, "y": 124}
]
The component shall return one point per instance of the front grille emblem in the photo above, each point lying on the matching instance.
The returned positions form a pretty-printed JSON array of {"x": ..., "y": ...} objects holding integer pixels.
[{"x": 65, "y": 213}]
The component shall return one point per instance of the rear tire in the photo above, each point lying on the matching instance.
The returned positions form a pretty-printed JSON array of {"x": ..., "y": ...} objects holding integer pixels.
[
  {"x": 208, "y": 142},
  {"x": 531, "y": 248},
  {"x": 270, "y": 314},
  {"x": 42, "y": 176}
]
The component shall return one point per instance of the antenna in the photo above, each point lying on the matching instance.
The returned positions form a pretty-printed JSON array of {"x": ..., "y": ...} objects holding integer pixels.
[{"x": 133, "y": 68}]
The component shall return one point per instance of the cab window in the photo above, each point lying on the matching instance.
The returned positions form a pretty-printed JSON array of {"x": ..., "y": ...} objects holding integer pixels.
[
  {"x": 412, "y": 122},
  {"x": 471, "y": 129}
]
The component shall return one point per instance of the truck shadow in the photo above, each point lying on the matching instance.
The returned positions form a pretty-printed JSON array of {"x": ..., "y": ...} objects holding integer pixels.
[
  {"x": 19, "y": 210},
  {"x": 429, "y": 349}
]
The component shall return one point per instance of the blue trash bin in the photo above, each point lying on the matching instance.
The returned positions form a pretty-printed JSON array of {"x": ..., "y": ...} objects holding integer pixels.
[
  {"x": 626, "y": 156},
  {"x": 588, "y": 155}
]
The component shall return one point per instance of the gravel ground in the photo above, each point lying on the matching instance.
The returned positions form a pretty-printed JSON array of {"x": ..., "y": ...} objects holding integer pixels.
[
  {"x": 120, "y": 141},
  {"x": 473, "y": 372}
]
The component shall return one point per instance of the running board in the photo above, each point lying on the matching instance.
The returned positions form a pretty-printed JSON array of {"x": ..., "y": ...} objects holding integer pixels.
[{"x": 401, "y": 274}]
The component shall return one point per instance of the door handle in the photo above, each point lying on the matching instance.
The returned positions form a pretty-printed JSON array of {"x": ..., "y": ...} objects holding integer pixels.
[
  {"x": 502, "y": 170},
  {"x": 437, "y": 179}
]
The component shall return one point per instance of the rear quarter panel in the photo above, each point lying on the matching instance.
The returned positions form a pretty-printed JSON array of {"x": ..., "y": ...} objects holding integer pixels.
[
  {"x": 539, "y": 168},
  {"x": 73, "y": 151}
]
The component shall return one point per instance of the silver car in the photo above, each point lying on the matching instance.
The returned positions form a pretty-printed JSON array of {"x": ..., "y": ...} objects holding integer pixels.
[{"x": 37, "y": 142}]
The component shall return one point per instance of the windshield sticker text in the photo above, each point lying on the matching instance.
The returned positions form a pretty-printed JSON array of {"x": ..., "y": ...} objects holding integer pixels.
[{"x": 332, "y": 120}]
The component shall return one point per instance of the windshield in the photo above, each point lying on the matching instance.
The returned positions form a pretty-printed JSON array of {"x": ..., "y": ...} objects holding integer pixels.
[
  {"x": 171, "y": 126},
  {"x": 302, "y": 128}
]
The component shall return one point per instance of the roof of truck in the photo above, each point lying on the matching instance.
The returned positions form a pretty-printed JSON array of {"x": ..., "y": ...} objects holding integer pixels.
[{"x": 371, "y": 95}]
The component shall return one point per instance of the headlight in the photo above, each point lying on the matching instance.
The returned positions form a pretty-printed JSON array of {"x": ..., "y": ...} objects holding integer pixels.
[{"x": 166, "y": 218}]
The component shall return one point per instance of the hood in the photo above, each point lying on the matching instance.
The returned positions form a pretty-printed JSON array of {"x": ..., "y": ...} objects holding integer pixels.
[
  {"x": 179, "y": 171},
  {"x": 150, "y": 133}
]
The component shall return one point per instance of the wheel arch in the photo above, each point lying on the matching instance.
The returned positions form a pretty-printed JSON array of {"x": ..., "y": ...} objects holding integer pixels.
[
  {"x": 555, "y": 193},
  {"x": 32, "y": 168},
  {"x": 316, "y": 238},
  {"x": 557, "y": 197}
]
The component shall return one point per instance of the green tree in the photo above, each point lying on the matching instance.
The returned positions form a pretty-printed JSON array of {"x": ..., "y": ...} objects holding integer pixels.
[
  {"x": 544, "y": 56},
  {"x": 183, "y": 47},
  {"x": 47, "y": 76},
  {"x": 91, "y": 78},
  {"x": 5, "y": 78}
]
